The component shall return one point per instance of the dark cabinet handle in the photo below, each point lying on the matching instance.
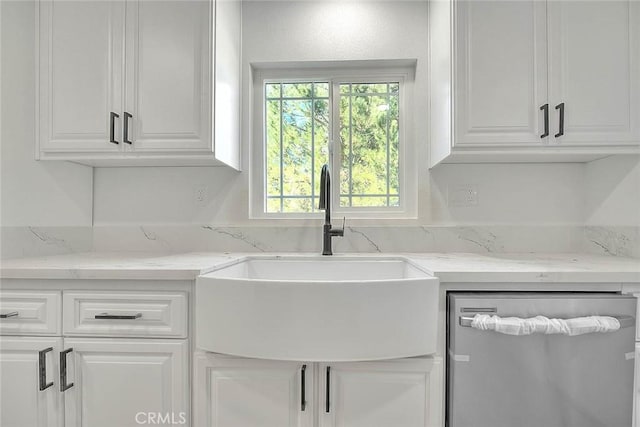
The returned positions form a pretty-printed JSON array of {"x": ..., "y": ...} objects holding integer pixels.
[
  {"x": 561, "y": 123},
  {"x": 328, "y": 396},
  {"x": 303, "y": 388},
  {"x": 63, "y": 370},
  {"x": 112, "y": 133},
  {"x": 10, "y": 314},
  {"x": 42, "y": 369},
  {"x": 125, "y": 137},
  {"x": 545, "y": 108},
  {"x": 107, "y": 316}
]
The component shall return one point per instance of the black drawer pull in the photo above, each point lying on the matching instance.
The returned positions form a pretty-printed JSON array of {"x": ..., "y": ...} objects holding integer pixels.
[
  {"x": 125, "y": 136},
  {"x": 42, "y": 369},
  {"x": 328, "y": 396},
  {"x": 303, "y": 388},
  {"x": 561, "y": 123},
  {"x": 10, "y": 314},
  {"x": 545, "y": 108},
  {"x": 63, "y": 370},
  {"x": 107, "y": 316},
  {"x": 112, "y": 127}
]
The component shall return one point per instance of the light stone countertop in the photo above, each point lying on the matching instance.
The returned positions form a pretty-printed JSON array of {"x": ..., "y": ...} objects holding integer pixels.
[
  {"x": 114, "y": 265},
  {"x": 531, "y": 267},
  {"x": 449, "y": 267}
]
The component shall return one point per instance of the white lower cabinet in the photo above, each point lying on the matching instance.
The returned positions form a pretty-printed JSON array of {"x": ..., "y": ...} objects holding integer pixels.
[
  {"x": 398, "y": 393},
  {"x": 236, "y": 392},
  {"x": 636, "y": 389},
  {"x": 126, "y": 382},
  {"x": 91, "y": 381},
  {"x": 26, "y": 399}
]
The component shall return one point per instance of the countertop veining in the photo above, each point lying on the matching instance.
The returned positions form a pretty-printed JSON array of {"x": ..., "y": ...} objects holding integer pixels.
[{"x": 449, "y": 267}]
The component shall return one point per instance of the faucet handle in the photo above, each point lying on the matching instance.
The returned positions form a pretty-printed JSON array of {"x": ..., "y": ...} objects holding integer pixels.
[
  {"x": 337, "y": 232},
  {"x": 340, "y": 231}
]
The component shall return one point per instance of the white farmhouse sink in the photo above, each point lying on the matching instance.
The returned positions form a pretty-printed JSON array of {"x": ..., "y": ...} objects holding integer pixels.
[{"x": 313, "y": 308}]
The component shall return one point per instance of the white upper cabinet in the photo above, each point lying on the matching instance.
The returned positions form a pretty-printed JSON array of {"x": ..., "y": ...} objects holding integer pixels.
[
  {"x": 167, "y": 75},
  {"x": 133, "y": 82},
  {"x": 594, "y": 70},
  {"x": 80, "y": 79},
  {"x": 531, "y": 81},
  {"x": 501, "y": 81}
]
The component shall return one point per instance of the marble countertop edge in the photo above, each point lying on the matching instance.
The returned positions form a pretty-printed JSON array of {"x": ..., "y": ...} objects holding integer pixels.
[{"x": 448, "y": 267}]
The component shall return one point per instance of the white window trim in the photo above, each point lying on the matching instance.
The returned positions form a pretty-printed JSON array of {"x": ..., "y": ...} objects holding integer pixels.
[{"x": 379, "y": 71}]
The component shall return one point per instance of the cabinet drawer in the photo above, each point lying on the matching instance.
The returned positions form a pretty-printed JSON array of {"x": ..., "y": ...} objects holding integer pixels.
[
  {"x": 119, "y": 314},
  {"x": 30, "y": 313}
]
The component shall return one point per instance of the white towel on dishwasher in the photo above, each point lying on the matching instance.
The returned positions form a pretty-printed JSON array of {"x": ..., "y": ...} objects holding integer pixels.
[{"x": 545, "y": 325}]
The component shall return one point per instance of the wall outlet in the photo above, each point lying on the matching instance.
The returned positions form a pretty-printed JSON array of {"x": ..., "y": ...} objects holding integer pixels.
[
  {"x": 200, "y": 195},
  {"x": 463, "y": 195}
]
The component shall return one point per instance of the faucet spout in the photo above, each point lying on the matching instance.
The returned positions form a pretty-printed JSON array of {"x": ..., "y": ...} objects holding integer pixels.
[
  {"x": 325, "y": 194},
  {"x": 325, "y": 203}
]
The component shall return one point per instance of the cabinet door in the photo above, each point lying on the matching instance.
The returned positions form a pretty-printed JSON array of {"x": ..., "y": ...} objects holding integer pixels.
[
  {"x": 80, "y": 79},
  {"x": 501, "y": 73},
  {"x": 636, "y": 389},
  {"x": 168, "y": 78},
  {"x": 594, "y": 69},
  {"x": 127, "y": 382},
  {"x": 235, "y": 392},
  {"x": 399, "y": 393},
  {"x": 23, "y": 404}
]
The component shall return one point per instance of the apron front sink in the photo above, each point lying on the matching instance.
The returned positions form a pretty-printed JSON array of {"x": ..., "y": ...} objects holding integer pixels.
[{"x": 313, "y": 308}]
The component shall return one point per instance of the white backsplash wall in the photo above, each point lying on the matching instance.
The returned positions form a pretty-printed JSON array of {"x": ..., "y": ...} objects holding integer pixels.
[
  {"x": 475, "y": 239},
  {"x": 521, "y": 194},
  {"x": 19, "y": 242},
  {"x": 612, "y": 211},
  {"x": 613, "y": 192}
]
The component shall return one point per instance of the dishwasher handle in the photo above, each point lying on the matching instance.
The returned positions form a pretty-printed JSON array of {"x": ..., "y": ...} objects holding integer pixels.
[{"x": 625, "y": 322}]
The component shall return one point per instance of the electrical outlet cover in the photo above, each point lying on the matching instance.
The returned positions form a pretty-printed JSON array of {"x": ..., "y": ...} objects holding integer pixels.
[{"x": 463, "y": 196}]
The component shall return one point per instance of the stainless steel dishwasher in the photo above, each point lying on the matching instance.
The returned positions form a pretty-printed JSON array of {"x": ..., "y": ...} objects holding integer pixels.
[{"x": 539, "y": 380}]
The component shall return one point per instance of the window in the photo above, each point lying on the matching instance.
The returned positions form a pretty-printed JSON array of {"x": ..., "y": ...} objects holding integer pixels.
[
  {"x": 353, "y": 123},
  {"x": 296, "y": 129}
]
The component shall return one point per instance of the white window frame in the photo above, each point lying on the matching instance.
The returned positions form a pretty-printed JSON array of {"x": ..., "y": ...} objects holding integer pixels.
[{"x": 386, "y": 71}]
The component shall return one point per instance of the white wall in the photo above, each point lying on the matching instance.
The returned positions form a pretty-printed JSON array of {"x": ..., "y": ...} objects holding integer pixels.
[
  {"x": 613, "y": 192},
  {"x": 32, "y": 193},
  {"x": 330, "y": 30}
]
